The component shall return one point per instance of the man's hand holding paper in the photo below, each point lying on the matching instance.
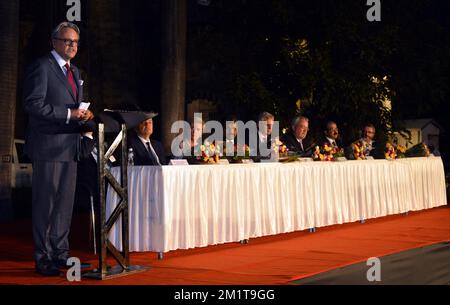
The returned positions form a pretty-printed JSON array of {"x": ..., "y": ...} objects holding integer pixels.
[{"x": 84, "y": 113}]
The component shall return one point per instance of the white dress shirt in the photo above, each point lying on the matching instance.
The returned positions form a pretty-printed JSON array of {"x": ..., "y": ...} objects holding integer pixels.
[
  {"x": 332, "y": 142},
  {"x": 262, "y": 138},
  {"x": 301, "y": 143}
]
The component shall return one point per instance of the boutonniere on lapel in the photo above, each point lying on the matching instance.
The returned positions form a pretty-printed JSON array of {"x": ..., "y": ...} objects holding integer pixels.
[{"x": 80, "y": 82}]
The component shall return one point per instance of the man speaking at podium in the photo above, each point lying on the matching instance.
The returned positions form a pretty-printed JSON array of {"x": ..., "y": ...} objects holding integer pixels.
[{"x": 53, "y": 91}]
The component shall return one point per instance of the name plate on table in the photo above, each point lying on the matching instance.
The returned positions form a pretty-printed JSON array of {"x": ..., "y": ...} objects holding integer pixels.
[
  {"x": 178, "y": 162},
  {"x": 246, "y": 161},
  {"x": 339, "y": 159},
  {"x": 224, "y": 162},
  {"x": 370, "y": 158},
  {"x": 305, "y": 159},
  {"x": 268, "y": 160}
]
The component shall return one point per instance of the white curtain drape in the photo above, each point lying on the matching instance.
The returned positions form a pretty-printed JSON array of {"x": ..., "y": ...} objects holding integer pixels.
[{"x": 182, "y": 207}]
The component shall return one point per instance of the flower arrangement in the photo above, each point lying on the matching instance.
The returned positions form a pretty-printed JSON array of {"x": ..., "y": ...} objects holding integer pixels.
[
  {"x": 390, "y": 152},
  {"x": 210, "y": 154},
  {"x": 327, "y": 153},
  {"x": 393, "y": 152},
  {"x": 359, "y": 151},
  {"x": 279, "y": 149},
  {"x": 318, "y": 155},
  {"x": 401, "y": 151},
  {"x": 241, "y": 152},
  {"x": 419, "y": 150}
]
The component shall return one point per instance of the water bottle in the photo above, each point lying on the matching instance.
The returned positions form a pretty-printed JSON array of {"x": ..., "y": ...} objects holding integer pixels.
[{"x": 130, "y": 157}]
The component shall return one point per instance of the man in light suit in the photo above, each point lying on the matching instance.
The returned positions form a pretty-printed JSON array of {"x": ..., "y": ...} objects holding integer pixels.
[
  {"x": 52, "y": 93},
  {"x": 146, "y": 151}
]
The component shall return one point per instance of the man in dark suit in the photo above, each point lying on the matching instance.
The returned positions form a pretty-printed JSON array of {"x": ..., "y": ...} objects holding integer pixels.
[
  {"x": 263, "y": 136},
  {"x": 296, "y": 139},
  {"x": 331, "y": 135},
  {"x": 52, "y": 93},
  {"x": 146, "y": 151}
]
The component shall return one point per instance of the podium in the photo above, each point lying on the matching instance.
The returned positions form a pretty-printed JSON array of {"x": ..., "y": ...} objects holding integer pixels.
[{"x": 114, "y": 122}]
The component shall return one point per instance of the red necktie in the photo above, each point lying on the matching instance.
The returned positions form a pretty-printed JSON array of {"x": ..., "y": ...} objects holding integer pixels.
[{"x": 71, "y": 80}]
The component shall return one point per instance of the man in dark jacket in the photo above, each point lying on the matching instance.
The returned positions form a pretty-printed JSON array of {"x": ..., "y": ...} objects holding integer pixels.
[
  {"x": 296, "y": 139},
  {"x": 53, "y": 90},
  {"x": 146, "y": 151}
]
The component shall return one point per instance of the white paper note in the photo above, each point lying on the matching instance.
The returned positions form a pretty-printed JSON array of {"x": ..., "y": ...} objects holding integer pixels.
[{"x": 84, "y": 106}]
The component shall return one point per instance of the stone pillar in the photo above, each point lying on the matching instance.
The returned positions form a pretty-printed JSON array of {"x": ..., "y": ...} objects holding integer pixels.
[
  {"x": 104, "y": 40},
  {"x": 9, "y": 42},
  {"x": 173, "y": 65}
]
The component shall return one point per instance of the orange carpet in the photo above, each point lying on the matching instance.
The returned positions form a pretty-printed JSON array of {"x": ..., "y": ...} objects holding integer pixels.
[{"x": 267, "y": 260}]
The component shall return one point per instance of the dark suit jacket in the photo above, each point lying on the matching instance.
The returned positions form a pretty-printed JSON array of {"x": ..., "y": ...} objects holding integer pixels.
[
  {"x": 374, "y": 150},
  {"x": 141, "y": 154},
  {"x": 255, "y": 148},
  {"x": 293, "y": 145},
  {"x": 47, "y": 96},
  {"x": 87, "y": 177},
  {"x": 86, "y": 148}
]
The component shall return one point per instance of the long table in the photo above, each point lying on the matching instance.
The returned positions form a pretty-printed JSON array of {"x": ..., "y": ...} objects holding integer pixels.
[{"x": 182, "y": 207}]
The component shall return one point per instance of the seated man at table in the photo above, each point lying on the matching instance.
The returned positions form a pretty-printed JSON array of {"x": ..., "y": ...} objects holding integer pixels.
[
  {"x": 331, "y": 136},
  {"x": 146, "y": 151},
  {"x": 231, "y": 131},
  {"x": 368, "y": 143},
  {"x": 264, "y": 136},
  {"x": 368, "y": 140},
  {"x": 296, "y": 139}
]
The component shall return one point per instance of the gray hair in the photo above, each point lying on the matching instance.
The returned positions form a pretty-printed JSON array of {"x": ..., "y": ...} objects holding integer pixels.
[
  {"x": 264, "y": 116},
  {"x": 62, "y": 26},
  {"x": 197, "y": 120},
  {"x": 297, "y": 119}
]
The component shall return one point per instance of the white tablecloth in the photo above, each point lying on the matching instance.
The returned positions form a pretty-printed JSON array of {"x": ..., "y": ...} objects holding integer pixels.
[{"x": 181, "y": 207}]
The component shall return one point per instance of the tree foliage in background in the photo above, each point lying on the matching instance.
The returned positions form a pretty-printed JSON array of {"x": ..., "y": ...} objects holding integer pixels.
[{"x": 325, "y": 57}]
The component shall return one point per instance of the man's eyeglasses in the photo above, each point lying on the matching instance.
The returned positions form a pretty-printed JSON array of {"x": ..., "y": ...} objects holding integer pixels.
[{"x": 69, "y": 42}]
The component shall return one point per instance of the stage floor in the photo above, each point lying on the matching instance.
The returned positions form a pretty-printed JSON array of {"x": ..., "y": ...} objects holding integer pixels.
[{"x": 280, "y": 259}]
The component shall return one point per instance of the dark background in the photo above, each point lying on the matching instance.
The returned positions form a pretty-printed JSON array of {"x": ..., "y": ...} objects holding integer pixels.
[{"x": 248, "y": 56}]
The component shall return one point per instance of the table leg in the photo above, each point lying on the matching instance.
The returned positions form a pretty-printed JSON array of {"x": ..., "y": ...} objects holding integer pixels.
[{"x": 160, "y": 255}]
